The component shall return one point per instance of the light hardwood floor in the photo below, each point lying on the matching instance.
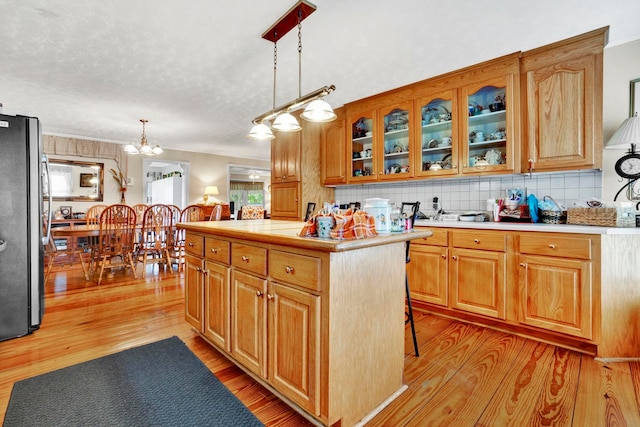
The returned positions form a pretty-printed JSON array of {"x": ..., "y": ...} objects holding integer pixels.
[{"x": 465, "y": 376}]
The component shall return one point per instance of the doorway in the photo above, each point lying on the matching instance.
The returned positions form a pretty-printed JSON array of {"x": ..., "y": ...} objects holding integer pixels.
[
  {"x": 166, "y": 182},
  {"x": 249, "y": 186}
]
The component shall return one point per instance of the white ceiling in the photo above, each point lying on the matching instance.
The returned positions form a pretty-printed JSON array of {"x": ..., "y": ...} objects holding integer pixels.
[{"x": 199, "y": 71}]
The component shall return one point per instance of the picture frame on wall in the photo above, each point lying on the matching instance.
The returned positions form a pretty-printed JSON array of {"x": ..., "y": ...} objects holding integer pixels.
[
  {"x": 86, "y": 180},
  {"x": 634, "y": 97}
]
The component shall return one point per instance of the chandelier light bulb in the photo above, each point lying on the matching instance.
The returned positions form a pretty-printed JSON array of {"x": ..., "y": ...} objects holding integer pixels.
[
  {"x": 285, "y": 122},
  {"x": 261, "y": 132}
]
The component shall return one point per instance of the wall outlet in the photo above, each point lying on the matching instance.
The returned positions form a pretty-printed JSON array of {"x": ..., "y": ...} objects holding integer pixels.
[{"x": 129, "y": 182}]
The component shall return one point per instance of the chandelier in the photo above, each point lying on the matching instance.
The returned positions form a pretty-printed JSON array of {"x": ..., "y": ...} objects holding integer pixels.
[
  {"x": 143, "y": 146},
  {"x": 317, "y": 109}
]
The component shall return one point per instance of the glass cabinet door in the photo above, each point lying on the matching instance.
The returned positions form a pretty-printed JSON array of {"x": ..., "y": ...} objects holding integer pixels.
[
  {"x": 396, "y": 146},
  {"x": 438, "y": 140},
  {"x": 486, "y": 147},
  {"x": 362, "y": 167}
]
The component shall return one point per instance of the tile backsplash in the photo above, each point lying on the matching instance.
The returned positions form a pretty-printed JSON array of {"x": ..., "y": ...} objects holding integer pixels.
[{"x": 466, "y": 194}]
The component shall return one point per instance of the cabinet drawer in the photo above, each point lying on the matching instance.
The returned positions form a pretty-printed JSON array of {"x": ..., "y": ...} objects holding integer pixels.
[
  {"x": 298, "y": 270},
  {"x": 249, "y": 258},
  {"x": 439, "y": 237},
  {"x": 554, "y": 245},
  {"x": 479, "y": 240},
  {"x": 217, "y": 250},
  {"x": 194, "y": 244}
]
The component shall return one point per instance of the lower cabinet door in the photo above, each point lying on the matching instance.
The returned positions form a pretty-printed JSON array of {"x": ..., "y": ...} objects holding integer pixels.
[
  {"x": 555, "y": 294},
  {"x": 294, "y": 345},
  {"x": 216, "y": 317},
  {"x": 427, "y": 274},
  {"x": 194, "y": 292},
  {"x": 249, "y": 321},
  {"x": 478, "y": 281}
]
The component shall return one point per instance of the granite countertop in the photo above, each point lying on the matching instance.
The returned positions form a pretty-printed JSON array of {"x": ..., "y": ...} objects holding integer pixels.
[
  {"x": 286, "y": 233},
  {"x": 522, "y": 226}
]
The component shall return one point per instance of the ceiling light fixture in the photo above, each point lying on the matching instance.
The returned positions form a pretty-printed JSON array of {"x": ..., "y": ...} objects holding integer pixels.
[
  {"x": 143, "y": 147},
  {"x": 318, "y": 110}
]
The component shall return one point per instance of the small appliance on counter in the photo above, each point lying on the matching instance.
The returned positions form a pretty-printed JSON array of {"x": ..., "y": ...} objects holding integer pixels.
[{"x": 381, "y": 211}]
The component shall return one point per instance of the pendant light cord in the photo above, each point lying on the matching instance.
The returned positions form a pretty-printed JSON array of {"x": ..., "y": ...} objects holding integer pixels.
[
  {"x": 299, "y": 52},
  {"x": 275, "y": 66}
]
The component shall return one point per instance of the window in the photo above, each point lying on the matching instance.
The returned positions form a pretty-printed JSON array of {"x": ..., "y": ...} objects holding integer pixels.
[{"x": 246, "y": 193}]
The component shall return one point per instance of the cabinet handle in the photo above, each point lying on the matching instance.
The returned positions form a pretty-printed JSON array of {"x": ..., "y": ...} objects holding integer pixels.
[
  {"x": 214, "y": 250},
  {"x": 289, "y": 270},
  {"x": 259, "y": 294},
  {"x": 476, "y": 240},
  {"x": 245, "y": 258}
]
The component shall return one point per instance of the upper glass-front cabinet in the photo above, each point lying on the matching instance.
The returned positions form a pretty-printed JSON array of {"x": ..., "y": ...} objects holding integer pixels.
[
  {"x": 486, "y": 130},
  {"x": 437, "y": 136},
  {"x": 362, "y": 146},
  {"x": 396, "y": 142}
]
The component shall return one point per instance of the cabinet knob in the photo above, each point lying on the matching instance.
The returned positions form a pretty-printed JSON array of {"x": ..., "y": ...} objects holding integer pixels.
[
  {"x": 190, "y": 244},
  {"x": 476, "y": 240},
  {"x": 522, "y": 264},
  {"x": 270, "y": 297},
  {"x": 245, "y": 258},
  {"x": 198, "y": 269},
  {"x": 444, "y": 256},
  {"x": 214, "y": 250},
  {"x": 454, "y": 257},
  {"x": 289, "y": 270},
  {"x": 552, "y": 246},
  {"x": 259, "y": 294}
]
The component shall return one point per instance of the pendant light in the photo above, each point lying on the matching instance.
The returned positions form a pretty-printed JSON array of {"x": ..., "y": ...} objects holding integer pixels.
[
  {"x": 318, "y": 110},
  {"x": 143, "y": 147}
]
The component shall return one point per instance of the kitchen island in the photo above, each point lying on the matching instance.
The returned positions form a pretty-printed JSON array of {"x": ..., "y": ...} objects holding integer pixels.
[{"x": 319, "y": 322}]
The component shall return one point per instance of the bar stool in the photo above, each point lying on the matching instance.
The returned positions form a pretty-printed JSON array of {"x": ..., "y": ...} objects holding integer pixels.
[{"x": 414, "y": 207}]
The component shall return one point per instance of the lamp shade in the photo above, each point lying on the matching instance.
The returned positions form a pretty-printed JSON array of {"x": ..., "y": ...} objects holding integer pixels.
[
  {"x": 211, "y": 190},
  {"x": 285, "y": 122},
  {"x": 318, "y": 111},
  {"x": 261, "y": 132},
  {"x": 628, "y": 133}
]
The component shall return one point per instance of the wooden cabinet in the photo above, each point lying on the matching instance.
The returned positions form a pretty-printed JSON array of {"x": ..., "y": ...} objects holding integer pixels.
[
  {"x": 285, "y": 157},
  {"x": 555, "y": 283},
  {"x": 333, "y": 160},
  {"x": 285, "y": 200},
  {"x": 276, "y": 328},
  {"x": 207, "y": 288},
  {"x": 562, "y": 98},
  {"x": 362, "y": 144},
  {"x": 428, "y": 269},
  {"x": 295, "y": 172},
  {"x": 477, "y": 270}
]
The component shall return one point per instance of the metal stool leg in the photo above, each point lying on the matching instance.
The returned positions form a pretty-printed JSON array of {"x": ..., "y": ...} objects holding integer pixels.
[{"x": 410, "y": 316}]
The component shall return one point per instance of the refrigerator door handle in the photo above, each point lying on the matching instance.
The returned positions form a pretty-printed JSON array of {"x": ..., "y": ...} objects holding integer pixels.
[{"x": 46, "y": 176}]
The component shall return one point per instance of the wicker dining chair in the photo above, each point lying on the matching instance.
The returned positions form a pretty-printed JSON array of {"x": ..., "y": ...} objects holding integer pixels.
[
  {"x": 116, "y": 239},
  {"x": 157, "y": 239}
]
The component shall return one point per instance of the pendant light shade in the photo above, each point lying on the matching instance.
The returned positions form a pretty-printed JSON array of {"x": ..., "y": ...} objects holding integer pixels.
[
  {"x": 318, "y": 111},
  {"x": 261, "y": 132},
  {"x": 285, "y": 122}
]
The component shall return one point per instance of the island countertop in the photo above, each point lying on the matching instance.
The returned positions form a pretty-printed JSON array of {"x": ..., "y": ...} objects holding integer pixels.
[{"x": 286, "y": 233}]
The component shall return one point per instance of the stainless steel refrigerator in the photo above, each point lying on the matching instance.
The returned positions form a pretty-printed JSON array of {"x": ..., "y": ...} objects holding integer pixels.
[{"x": 21, "y": 246}]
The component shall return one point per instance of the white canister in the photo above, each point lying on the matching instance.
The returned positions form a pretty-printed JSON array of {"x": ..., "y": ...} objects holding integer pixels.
[{"x": 381, "y": 211}]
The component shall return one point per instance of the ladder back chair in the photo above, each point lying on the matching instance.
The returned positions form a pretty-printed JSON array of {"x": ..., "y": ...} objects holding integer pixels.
[
  {"x": 116, "y": 239},
  {"x": 157, "y": 237},
  {"x": 53, "y": 253}
]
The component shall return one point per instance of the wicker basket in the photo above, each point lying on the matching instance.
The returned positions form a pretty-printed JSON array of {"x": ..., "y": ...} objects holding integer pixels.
[
  {"x": 548, "y": 216},
  {"x": 602, "y": 217}
]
